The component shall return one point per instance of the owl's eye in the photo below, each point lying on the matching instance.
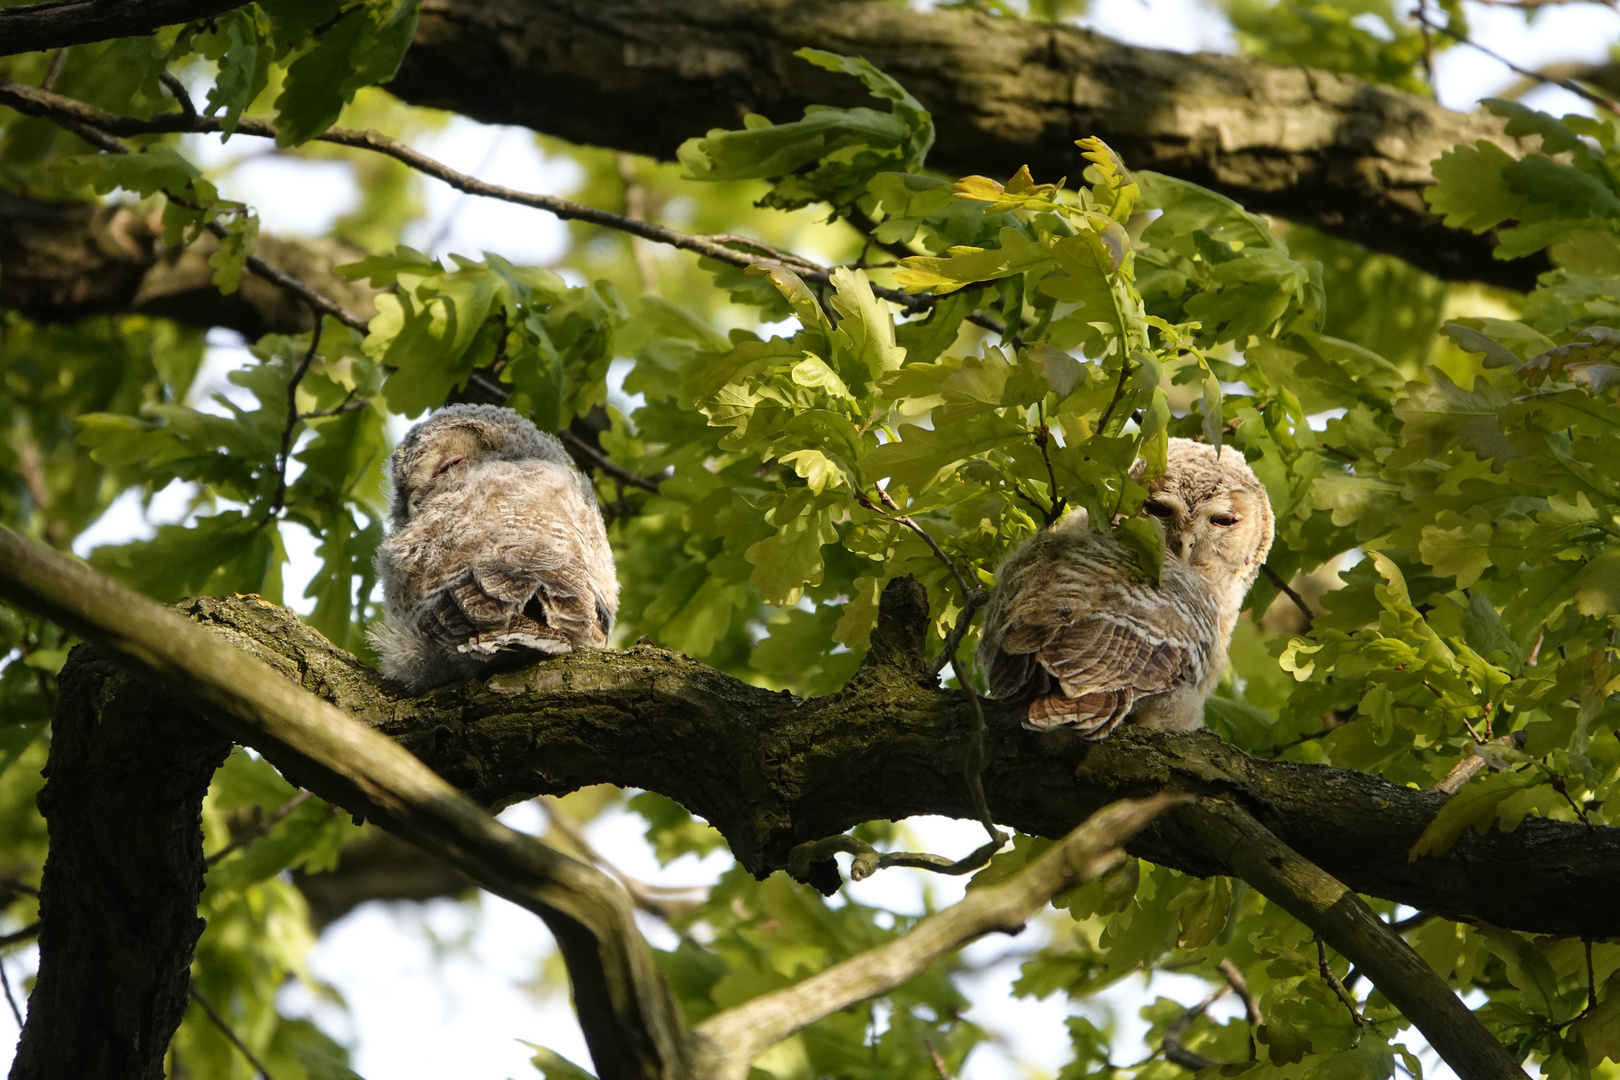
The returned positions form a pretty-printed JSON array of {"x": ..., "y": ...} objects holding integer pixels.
[
  {"x": 1157, "y": 509},
  {"x": 1225, "y": 521},
  {"x": 449, "y": 463}
]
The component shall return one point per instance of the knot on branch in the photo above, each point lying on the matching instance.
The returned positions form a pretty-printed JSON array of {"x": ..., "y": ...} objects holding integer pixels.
[{"x": 900, "y": 639}]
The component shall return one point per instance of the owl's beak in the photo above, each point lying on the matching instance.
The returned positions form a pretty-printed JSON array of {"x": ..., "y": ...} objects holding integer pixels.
[{"x": 1182, "y": 547}]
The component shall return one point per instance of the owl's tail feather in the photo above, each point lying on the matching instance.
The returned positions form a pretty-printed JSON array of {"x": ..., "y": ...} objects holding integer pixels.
[{"x": 1093, "y": 716}]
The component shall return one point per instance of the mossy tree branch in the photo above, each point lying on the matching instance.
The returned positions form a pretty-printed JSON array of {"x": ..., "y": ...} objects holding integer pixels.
[
  {"x": 630, "y": 1021},
  {"x": 771, "y": 771},
  {"x": 1328, "y": 150}
]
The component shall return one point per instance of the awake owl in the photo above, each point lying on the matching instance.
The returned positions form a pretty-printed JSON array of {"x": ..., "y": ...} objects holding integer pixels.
[
  {"x": 1075, "y": 628},
  {"x": 496, "y": 552}
]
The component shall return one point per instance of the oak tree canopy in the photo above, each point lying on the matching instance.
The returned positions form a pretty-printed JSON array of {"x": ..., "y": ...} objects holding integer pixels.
[{"x": 856, "y": 297}]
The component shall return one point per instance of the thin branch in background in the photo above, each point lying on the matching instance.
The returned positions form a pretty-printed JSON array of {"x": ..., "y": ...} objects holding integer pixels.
[
  {"x": 349, "y": 404},
  {"x": 1240, "y": 986},
  {"x": 442, "y": 233},
  {"x": 1125, "y": 373},
  {"x": 635, "y": 206},
  {"x": 973, "y": 767},
  {"x": 1428, "y": 43},
  {"x": 1546, "y": 80},
  {"x": 975, "y": 600},
  {"x": 1043, "y": 439},
  {"x": 1334, "y": 984},
  {"x": 261, "y": 827},
  {"x": 230, "y": 1034},
  {"x": 173, "y": 85},
  {"x": 54, "y": 72},
  {"x": 1178, "y": 1054},
  {"x": 1288, "y": 591},
  {"x": 910, "y": 523},
  {"x": 17, "y": 937},
  {"x": 597, "y": 460},
  {"x": 663, "y": 902},
  {"x": 24, "y": 99},
  {"x": 285, "y": 452},
  {"x": 16, "y": 1013},
  {"x": 32, "y": 470},
  {"x": 733, "y": 1037},
  {"x": 77, "y": 115},
  {"x": 16, "y": 885}
]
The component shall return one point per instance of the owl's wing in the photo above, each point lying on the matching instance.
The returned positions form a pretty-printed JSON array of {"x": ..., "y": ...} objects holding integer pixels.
[
  {"x": 518, "y": 558},
  {"x": 1079, "y": 631}
]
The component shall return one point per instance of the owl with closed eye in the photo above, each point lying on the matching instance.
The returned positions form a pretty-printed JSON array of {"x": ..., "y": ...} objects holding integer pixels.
[
  {"x": 1075, "y": 628},
  {"x": 496, "y": 552}
]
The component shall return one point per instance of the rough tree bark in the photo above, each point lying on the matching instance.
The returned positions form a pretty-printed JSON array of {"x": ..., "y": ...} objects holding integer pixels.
[
  {"x": 62, "y": 261},
  {"x": 1327, "y": 150},
  {"x": 630, "y": 1020},
  {"x": 771, "y": 771},
  {"x": 123, "y": 802}
]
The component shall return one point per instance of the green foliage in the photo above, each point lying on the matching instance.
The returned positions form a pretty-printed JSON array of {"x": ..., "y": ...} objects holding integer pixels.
[
  {"x": 1455, "y": 488},
  {"x": 1369, "y": 38}
]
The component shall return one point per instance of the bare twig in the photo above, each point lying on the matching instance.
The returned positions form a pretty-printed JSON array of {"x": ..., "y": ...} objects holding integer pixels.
[
  {"x": 261, "y": 827},
  {"x": 973, "y": 767},
  {"x": 69, "y": 111},
  {"x": 1464, "y": 770},
  {"x": 1125, "y": 373},
  {"x": 663, "y": 903},
  {"x": 868, "y": 860},
  {"x": 1325, "y": 905},
  {"x": 1288, "y": 591},
  {"x": 1547, "y": 80},
  {"x": 54, "y": 72},
  {"x": 1178, "y": 1054},
  {"x": 598, "y": 460},
  {"x": 16, "y": 1013},
  {"x": 635, "y": 206},
  {"x": 975, "y": 599},
  {"x": 171, "y": 83},
  {"x": 1240, "y": 986},
  {"x": 1334, "y": 984},
  {"x": 230, "y": 1033},
  {"x": 27, "y": 933},
  {"x": 731, "y": 1039},
  {"x": 19, "y": 96},
  {"x": 348, "y": 405},
  {"x": 16, "y": 885},
  {"x": 1043, "y": 439},
  {"x": 285, "y": 452},
  {"x": 910, "y": 523}
]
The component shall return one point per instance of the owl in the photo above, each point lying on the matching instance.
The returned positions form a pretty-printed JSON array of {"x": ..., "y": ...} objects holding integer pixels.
[
  {"x": 1078, "y": 630},
  {"x": 496, "y": 551}
]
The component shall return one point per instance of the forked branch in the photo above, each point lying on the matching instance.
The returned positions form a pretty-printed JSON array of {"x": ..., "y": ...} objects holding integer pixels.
[{"x": 739, "y": 1034}]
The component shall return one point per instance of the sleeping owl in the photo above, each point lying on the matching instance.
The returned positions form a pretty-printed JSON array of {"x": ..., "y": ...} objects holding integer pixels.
[
  {"x": 1076, "y": 629},
  {"x": 496, "y": 551}
]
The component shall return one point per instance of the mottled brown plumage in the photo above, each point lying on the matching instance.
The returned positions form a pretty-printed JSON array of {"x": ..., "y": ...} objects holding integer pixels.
[
  {"x": 1077, "y": 629},
  {"x": 497, "y": 551}
]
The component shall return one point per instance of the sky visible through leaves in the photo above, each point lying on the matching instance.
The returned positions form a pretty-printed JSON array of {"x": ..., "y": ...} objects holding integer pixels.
[{"x": 378, "y": 958}]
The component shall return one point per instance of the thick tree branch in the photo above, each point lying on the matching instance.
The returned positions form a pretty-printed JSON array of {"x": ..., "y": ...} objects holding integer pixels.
[
  {"x": 78, "y": 22},
  {"x": 1325, "y": 905},
  {"x": 771, "y": 771},
  {"x": 630, "y": 1021},
  {"x": 60, "y": 262},
  {"x": 1327, "y": 150},
  {"x": 743, "y": 1032}
]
